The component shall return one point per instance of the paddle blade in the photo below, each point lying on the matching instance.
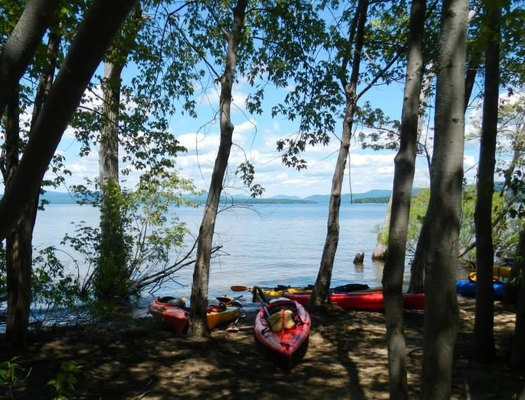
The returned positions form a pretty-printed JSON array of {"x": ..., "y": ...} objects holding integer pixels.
[{"x": 239, "y": 288}]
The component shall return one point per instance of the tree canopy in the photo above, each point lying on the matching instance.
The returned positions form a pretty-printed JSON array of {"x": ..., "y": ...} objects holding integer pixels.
[{"x": 324, "y": 59}]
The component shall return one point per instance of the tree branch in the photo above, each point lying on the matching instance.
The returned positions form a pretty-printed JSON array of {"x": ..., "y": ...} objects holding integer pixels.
[
  {"x": 379, "y": 75},
  {"x": 196, "y": 50}
]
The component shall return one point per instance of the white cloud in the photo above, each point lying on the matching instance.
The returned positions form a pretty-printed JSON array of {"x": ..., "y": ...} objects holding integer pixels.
[
  {"x": 255, "y": 138},
  {"x": 245, "y": 127},
  {"x": 199, "y": 142},
  {"x": 211, "y": 97}
]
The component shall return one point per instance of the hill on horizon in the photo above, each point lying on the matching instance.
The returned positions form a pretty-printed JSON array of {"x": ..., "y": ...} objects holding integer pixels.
[{"x": 372, "y": 196}]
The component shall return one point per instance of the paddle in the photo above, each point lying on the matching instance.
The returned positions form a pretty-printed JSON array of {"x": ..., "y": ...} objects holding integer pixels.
[
  {"x": 238, "y": 288},
  {"x": 258, "y": 290},
  {"x": 229, "y": 301},
  {"x": 233, "y": 326}
]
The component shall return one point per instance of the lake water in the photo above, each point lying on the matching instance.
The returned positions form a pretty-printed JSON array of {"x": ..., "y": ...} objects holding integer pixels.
[{"x": 262, "y": 245}]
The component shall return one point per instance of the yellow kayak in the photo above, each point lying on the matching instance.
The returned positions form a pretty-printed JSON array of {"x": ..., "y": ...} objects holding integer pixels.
[
  {"x": 214, "y": 318},
  {"x": 173, "y": 314},
  {"x": 278, "y": 290},
  {"x": 498, "y": 271},
  {"x": 501, "y": 271}
]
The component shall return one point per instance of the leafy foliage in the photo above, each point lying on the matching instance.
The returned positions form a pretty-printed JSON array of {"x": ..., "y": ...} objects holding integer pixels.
[
  {"x": 111, "y": 279},
  {"x": 51, "y": 284},
  {"x": 513, "y": 32},
  {"x": 153, "y": 236},
  {"x": 317, "y": 97},
  {"x": 10, "y": 371},
  {"x": 506, "y": 227},
  {"x": 151, "y": 229},
  {"x": 65, "y": 381},
  {"x": 247, "y": 171}
]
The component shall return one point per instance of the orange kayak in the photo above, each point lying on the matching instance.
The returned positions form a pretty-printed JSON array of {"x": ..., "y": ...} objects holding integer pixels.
[{"x": 175, "y": 317}]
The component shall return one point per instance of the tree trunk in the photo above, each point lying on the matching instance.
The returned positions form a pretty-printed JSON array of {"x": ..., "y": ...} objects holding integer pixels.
[
  {"x": 19, "y": 242},
  {"x": 402, "y": 189},
  {"x": 320, "y": 293},
  {"x": 94, "y": 36},
  {"x": 517, "y": 355},
  {"x": 475, "y": 61},
  {"x": 21, "y": 45},
  {"x": 19, "y": 268},
  {"x": 48, "y": 75},
  {"x": 201, "y": 273},
  {"x": 111, "y": 276},
  {"x": 417, "y": 270},
  {"x": 442, "y": 220},
  {"x": 484, "y": 350}
]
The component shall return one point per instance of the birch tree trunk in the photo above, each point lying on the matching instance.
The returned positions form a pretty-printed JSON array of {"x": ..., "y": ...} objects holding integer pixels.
[
  {"x": 442, "y": 221},
  {"x": 111, "y": 275},
  {"x": 201, "y": 273},
  {"x": 401, "y": 194}
]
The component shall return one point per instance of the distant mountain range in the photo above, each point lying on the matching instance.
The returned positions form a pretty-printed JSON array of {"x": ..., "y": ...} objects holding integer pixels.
[{"x": 372, "y": 196}]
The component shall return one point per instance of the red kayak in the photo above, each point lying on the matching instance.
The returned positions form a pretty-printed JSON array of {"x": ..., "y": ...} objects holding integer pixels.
[
  {"x": 372, "y": 301},
  {"x": 282, "y": 326},
  {"x": 173, "y": 314}
]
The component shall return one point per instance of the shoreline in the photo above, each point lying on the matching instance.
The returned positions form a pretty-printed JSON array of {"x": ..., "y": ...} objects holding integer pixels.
[{"x": 347, "y": 359}]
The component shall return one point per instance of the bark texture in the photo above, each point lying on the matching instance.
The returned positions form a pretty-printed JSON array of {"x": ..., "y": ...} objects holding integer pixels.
[
  {"x": 417, "y": 270},
  {"x": 320, "y": 293},
  {"x": 201, "y": 273},
  {"x": 484, "y": 350},
  {"x": 21, "y": 45},
  {"x": 19, "y": 241},
  {"x": 442, "y": 221},
  {"x": 111, "y": 277},
  {"x": 402, "y": 190},
  {"x": 93, "y": 38}
]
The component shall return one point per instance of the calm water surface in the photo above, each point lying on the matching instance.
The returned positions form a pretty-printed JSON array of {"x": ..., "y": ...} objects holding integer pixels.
[{"x": 262, "y": 245}]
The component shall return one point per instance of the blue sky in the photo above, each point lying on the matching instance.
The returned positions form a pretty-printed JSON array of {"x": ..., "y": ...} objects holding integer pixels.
[{"x": 255, "y": 137}]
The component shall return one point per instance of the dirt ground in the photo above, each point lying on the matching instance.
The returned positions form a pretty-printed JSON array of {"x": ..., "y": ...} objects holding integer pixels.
[{"x": 346, "y": 359}]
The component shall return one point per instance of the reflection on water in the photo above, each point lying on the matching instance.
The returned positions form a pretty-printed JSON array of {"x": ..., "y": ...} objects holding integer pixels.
[{"x": 262, "y": 245}]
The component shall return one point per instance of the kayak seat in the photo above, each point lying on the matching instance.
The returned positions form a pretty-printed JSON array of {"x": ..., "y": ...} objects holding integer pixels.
[
  {"x": 173, "y": 301},
  {"x": 216, "y": 307},
  {"x": 351, "y": 287},
  {"x": 282, "y": 318}
]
